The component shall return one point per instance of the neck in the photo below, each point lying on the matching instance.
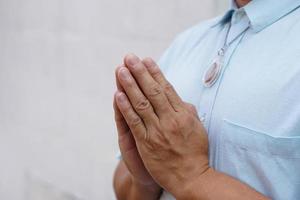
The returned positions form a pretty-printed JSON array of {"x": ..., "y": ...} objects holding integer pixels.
[{"x": 241, "y": 3}]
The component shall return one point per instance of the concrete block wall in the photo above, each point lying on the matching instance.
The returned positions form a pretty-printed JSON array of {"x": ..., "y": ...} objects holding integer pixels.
[{"x": 57, "y": 60}]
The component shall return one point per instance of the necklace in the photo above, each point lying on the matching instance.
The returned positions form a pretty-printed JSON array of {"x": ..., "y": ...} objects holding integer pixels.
[{"x": 213, "y": 72}]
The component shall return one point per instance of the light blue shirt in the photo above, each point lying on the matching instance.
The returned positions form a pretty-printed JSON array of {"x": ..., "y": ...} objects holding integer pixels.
[{"x": 252, "y": 112}]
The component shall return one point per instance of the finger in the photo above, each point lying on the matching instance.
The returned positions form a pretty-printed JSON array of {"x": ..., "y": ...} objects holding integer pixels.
[
  {"x": 121, "y": 124},
  {"x": 169, "y": 90},
  {"x": 119, "y": 119},
  {"x": 125, "y": 138},
  {"x": 149, "y": 86},
  {"x": 119, "y": 86},
  {"x": 138, "y": 100},
  {"x": 133, "y": 120}
]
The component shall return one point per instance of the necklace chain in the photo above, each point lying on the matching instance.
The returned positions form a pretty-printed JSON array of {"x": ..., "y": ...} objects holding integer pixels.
[
  {"x": 213, "y": 73},
  {"x": 221, "y": 52}
]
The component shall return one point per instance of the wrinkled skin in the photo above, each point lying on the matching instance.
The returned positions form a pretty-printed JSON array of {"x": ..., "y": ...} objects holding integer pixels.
[{"x": 169, "y": 147}]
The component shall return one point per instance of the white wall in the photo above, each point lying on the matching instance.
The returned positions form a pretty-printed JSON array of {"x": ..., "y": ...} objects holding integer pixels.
[{"x": 57, "y": 135}]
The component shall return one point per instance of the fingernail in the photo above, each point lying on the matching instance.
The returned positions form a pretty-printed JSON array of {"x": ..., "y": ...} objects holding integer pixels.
[
  {"x": 132, "y": 60},
  {"x": 124, "y": 73}
]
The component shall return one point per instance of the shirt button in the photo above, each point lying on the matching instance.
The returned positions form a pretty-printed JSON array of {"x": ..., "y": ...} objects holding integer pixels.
[{"x": 202, "y": 118}]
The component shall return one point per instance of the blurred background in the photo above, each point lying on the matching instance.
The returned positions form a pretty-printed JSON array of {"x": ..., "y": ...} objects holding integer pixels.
[{"x": 57, "y": 58}]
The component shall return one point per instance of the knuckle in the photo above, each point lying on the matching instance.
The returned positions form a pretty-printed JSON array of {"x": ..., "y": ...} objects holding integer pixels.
[
  {"x": 168, "y": 87},
  {"x": 185, "y": 120},
  {"x": 155, "y": 71},
  {"x": 191, "y": 108},
  {"x": 135, "y": 121},
  {"x": 173, "y": 125},
  {"x": 153, "y": 143},
  {"x": 155, "y": 91},
  {"x": 150, "y": 145},
  {"x": 142, "y": 104}
]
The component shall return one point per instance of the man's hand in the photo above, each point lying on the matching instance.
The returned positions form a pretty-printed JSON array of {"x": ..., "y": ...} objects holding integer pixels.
[
  {"x": 139, "y": 175},
  {"x": 169, "y": 137}
]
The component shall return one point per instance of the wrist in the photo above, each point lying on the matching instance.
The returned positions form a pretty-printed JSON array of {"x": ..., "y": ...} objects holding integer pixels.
[
  {"x": 149, "y": 190},
  {"x": 195, "y": 187}
]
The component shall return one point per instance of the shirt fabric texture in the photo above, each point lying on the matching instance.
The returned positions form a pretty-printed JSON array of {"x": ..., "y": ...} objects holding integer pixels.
[{"x": 252, "y": 112}]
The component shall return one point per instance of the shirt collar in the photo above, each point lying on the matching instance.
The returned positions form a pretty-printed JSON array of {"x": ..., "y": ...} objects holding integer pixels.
[{"x": 262, "y": 13}]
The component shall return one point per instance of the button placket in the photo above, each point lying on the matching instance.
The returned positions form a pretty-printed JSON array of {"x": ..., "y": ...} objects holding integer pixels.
[{"x": 210, "y": 94}]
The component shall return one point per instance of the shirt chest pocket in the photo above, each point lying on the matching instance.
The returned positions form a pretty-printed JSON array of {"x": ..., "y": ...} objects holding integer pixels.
[{"x": 271, "y": 165}]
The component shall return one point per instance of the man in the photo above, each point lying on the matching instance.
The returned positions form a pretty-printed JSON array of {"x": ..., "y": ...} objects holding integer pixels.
[{"x": 241, "y": 71}]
